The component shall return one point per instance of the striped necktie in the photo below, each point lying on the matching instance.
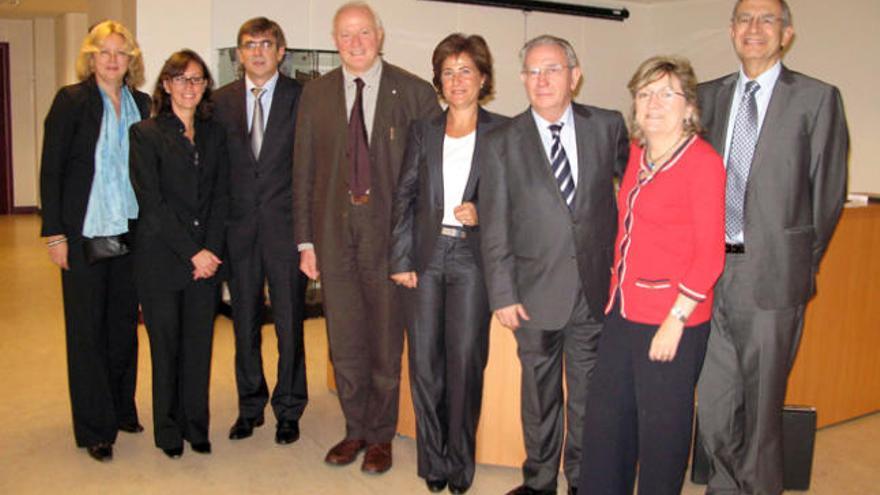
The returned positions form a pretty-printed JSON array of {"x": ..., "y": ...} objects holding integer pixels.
[{"x": 560, "y": 166}]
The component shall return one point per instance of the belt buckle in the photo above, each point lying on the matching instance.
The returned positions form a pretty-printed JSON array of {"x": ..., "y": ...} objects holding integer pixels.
[
  {"x": 453, "y": 232},
  {"x": 359, "y": 199}
]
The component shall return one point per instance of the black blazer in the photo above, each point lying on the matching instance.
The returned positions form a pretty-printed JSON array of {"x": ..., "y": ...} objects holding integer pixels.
[
  {"x": 68, "y": 164},
  {"x": 182, "y": 190},
  {"x": 417, "y": 213},
  {"x": 536, "y": 251},
  {"x": 260, "y": 188}
]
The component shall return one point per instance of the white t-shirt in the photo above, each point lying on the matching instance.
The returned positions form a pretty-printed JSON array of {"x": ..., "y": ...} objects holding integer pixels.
[{"x": 458, "y": 155}]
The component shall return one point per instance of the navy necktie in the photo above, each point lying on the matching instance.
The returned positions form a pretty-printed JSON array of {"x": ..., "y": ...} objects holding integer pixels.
[{"x": 560, "y": 167}]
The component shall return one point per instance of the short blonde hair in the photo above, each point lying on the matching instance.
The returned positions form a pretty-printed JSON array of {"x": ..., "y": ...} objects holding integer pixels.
[
  {"x": 658, "y": 67},
  {"x": 92, "y": 45}
]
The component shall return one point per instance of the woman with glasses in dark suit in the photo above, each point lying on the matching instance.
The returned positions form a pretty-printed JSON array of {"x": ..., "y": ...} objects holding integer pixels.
[
  {"x": 87, "y": 200},
  {"x": 180, "y": 174}
]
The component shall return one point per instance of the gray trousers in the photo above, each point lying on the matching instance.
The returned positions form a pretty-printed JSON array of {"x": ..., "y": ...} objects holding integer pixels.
[
  {"x": 741, "y": 391},
  {"x": 544, "y": 355}
]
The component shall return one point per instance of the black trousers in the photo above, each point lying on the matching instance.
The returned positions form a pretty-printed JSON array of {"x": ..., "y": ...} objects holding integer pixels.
[
  {"x": 180, "y": 324},
  {"x": 552, "y": 420},
  {"x": 640, "y": 411},
  {"x": 448, "y": 337},
  {"x": 100, "y": 315},
  {"x": 287, "y": 294},
  {"x": 364, "y": 329}
]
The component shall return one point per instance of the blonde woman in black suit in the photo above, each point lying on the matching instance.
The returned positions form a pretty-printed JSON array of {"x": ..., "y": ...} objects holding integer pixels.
[{"x": 86, "y": 198}]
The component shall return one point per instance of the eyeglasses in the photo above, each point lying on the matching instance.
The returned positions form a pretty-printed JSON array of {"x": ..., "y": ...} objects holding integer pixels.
[
  {"x": 461, "y": 73},
  {"x": 664, "y": 96},
  {"x": 547, "y": 71},
  {"x": 766, "y": 20},
  {"x": 254, "y": 44},
  {"x": 110, "y": 54},
  {"x": 182, "y": 80}
]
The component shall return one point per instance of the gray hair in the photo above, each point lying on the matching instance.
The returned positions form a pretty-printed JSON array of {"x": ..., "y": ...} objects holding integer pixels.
[
  {"x": 786, "y": 12},
  {"x": 361, "y": 6},
  {"x": 548, "y": 39}
]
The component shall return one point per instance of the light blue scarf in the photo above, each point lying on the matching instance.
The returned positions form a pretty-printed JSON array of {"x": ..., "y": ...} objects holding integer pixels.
[{"x": 112, "y": 201}]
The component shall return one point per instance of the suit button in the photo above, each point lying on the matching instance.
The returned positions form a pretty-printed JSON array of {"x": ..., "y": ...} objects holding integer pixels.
[{"x": 196, "y": 222}]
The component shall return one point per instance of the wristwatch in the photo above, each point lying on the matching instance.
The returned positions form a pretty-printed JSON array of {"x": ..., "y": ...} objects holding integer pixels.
[{"x": 679, "y": 314}]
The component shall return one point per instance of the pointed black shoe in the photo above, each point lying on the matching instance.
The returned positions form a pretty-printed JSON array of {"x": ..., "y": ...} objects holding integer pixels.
[
  {"x": 458, "y": 489},
  {"x": 287, "y": 432},
  {"x": 174, "y": 453},
  {"x": 435, "y": 486},
  {"x": 201, "y": 447},
  {"x": 102, "y": 452},
  {"x": 244, "y": 427}
]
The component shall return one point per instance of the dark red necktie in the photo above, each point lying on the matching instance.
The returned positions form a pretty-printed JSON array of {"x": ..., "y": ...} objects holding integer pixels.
[{"x": 358, "y": 147}]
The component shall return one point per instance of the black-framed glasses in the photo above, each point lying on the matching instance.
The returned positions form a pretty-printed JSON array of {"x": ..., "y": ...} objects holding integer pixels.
[{"x": 182, "y": 80}]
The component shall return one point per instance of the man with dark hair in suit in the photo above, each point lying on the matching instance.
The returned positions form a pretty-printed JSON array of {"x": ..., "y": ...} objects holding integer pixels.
[
  {"x": 549, "y": 221},
  {"x": 259, "y": 114},
  {"x": 350, "y": 140},
  {"x": 783, "y": 136}
]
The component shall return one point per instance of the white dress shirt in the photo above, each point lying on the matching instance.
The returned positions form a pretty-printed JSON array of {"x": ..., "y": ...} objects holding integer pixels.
[
  {"x": 567, "y": 137},
  {"x": 266, "y": 99}
]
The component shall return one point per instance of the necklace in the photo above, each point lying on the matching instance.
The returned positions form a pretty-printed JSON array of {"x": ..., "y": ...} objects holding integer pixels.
[{"x": 653, "y": 161}]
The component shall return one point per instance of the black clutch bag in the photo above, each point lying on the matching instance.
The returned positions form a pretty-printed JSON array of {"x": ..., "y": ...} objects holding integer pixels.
[{"x": 106, "y": 247}]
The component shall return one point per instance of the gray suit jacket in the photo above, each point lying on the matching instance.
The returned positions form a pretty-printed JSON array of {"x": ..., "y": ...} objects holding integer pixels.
[
  {"x": 535, "y": 251},
  {"x": 797, "y": 182},
  {"x": 321, "y": 168}
]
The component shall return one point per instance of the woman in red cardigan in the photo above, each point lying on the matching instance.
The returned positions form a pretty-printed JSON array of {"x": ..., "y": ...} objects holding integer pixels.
[{"x": 668, "y": 254}]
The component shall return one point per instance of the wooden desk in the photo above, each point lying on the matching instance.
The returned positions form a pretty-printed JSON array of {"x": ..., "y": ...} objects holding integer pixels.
[{"x": 837, "y": 369}]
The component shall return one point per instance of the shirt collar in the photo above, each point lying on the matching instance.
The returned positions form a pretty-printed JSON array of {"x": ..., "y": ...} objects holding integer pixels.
[
  {"x": 268, "y": 88},
  {"x": 370, "y": 76},
  {"x": 567, "y": 119},
  {"x": 766, "y": 80}
]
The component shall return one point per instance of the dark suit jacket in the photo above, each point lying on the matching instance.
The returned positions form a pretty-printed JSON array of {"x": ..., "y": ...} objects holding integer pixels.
[
  {"x": 797, "y": 182},
  {"x": 419, "y": 202},
  {"x": 183, "y": 205},
  {"x": 68, "y": 164},
  {"x": 535, "y": 251},
  {"x": 260, "y": 190},
  {"x": 321, "y": 168}
]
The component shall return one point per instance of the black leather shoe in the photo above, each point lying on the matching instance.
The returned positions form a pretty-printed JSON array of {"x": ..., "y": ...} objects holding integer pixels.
[
  {"x": 131, "y": 427},
  {"x": 201, "y": 447},
  {"x": 244, "y": 427},
  {"x": 458, "y": 489},
  {"x": 572, "y": 490},
  {"x": 527, "y": 490},
  {"x": 287, "y": 432},
  {"x": 174, "y": 453},
  {"x": 435, "y": 486},
  {"x": 102, "y": 452}
]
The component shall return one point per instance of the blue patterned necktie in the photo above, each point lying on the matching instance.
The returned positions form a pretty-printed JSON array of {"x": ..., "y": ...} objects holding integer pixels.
[
  {"x": 739, "y": 160},
  {"x": 560, "y": 166}
]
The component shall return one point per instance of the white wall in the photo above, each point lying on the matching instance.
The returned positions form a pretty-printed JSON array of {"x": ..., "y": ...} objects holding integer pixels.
[
  {"x": 45, "y": 80},
  {"x": 20, "y": 36},
  {"x": 70, "y": 29},
  {"x": 165, "y": 26}
]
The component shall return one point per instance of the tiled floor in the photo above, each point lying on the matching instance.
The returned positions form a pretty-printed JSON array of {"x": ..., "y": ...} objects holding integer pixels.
[{"x": 38, "y": 456}]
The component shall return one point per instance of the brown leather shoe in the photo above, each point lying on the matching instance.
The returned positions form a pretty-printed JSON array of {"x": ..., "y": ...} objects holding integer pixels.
[
  {"x": 345, "y": 452},
  {"x": 377, "y": 460}
]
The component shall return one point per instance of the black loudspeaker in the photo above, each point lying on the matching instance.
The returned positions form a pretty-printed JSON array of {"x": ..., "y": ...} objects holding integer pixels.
[{"x": 798, "y": 440}]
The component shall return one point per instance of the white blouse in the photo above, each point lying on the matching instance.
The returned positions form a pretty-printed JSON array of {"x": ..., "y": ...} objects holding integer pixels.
[{"x": 457, "y": 158}]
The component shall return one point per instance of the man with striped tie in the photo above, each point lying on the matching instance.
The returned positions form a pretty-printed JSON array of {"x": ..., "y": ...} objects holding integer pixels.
[{"x": 548, "y": 224}]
